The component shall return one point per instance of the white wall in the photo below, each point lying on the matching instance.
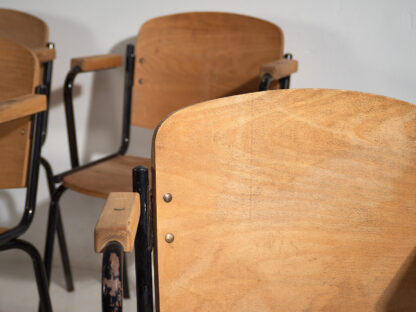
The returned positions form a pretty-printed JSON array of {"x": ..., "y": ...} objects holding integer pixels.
[{"x": 365, "y": 45}]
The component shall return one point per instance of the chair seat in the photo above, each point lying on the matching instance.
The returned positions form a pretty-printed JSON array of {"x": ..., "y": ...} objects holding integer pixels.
[
  {"x": 2, "y": 230},
  {"x": 113, "y": 175}
]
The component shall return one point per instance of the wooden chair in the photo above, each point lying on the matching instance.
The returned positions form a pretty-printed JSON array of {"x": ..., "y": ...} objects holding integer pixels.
[
  {"x": 180, "y": 60},
  {"x": 288, "y": 200},
  {"x": 33, "y": 33},
  {"x": 22, "y": 116}
]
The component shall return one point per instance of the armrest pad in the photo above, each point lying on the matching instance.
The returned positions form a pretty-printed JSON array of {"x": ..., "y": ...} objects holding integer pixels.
[
  {"x": 97, "y": 62},
  {"x": 45, "y": 54},
  {"x": 118, "y": 221},
  {"x": 279, "y": 68},
  {"x": 22, "y": 106}
]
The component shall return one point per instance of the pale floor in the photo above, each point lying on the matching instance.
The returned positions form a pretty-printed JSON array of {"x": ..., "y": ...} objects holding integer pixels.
[{"x": 18, "y": 291}]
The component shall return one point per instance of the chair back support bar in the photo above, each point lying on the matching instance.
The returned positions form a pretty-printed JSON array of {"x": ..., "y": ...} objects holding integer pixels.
[
  {"x": 287, "y": 200},
  {"x": 19, "y": 74},
  {"x": 187, "y": 58},
  {"x": 14, "y": 26}
]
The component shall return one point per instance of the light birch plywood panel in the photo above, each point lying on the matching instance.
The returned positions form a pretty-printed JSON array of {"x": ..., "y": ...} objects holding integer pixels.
[
  {"x": 298, "y": 200},
  {"x": 187, "y": 58}
]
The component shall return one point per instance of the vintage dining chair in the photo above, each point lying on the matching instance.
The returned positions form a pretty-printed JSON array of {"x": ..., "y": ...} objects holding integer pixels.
[
  {"x": 22, "y": 116},
  {"x": 180, "y": 59},
  {"x": 33, "y": 33},
  {"x": 287, "y": 200}
]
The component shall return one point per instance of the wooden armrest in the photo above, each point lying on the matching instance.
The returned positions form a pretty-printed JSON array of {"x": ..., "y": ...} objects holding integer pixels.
[
  {"x": 280, "y": 68},
  {"x": 97, "y": 62},
  {"x": 45, "y": 54},
  {"x": 22, "y": 106},
  {"x": 118, "y": 221}
]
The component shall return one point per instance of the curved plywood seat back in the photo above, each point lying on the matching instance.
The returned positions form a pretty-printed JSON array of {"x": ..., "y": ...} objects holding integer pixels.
[
  {"x": 23, "y": 28},
  {"x": 187, "y": 58},
  {"x": 19, "y": 74},
  {"x": 293, "y": 200}
]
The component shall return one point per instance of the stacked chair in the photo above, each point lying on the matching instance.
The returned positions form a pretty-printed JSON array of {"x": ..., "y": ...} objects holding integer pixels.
[
  {"x": 22, "y": 118},
  {"x": 33, "y": 33},
  {"x": 178, "y": 60},
  {"x": 286, "y": 200}
]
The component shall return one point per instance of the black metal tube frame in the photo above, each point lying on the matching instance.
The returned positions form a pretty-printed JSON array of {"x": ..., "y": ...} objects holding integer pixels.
[
  {"x": 47, "y": 82},
  {"x": 54, "y": 219},
  {"x": 125, "y": 137},
  {"x": 40, "y": 274},
  {"x": 9, "y": 239},
  {"x": 267, "y": 79},
  {"x": 143, "y": 243},
  {"x": 112, "y": 277}
]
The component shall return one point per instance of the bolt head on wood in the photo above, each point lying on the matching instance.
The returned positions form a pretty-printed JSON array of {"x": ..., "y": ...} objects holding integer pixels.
[
  {"x": 169, "y": 238},
  {"x": 167, "y": 197}
]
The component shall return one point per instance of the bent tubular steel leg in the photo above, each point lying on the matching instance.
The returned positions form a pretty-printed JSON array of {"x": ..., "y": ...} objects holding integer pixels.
[
  {"x": 40, "y": 274},
  {"x": 112, "y": 278},
  {"x": 126, "y": 292},
  {"x": 143, "y": 243},
  {"x": 50, "y": 234},
  {"x": 60, "y": 229}
]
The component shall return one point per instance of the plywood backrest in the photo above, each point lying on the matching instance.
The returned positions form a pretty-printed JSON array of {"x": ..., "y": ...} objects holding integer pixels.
[
  {"x": 292, "y": 200},
  {"x": 23, "y": 28},
  {"x": 19, "y": 74},
  {"x": 187, "y": 58}
]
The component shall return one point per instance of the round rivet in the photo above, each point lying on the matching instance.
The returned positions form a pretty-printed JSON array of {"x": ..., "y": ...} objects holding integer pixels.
[
  {"x": 140, "y": 81},
  {"x": 167, "y": 197},
  {"x": 141, "y": 60},
  {"x": 22, "y": 132},
  {"x": 169, "y": 238}
]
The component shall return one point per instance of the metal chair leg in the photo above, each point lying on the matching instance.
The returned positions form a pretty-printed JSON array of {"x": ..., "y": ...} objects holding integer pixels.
[
  {"x": 64, "y": 253},
  {"x": 40, "y": 274},
  {"x": 126, "y": 293},
  {"x": 60, "y": 230},
  {"x": 50, "y": 234}
]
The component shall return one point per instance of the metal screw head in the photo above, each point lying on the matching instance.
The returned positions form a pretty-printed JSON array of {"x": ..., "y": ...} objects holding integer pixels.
[
  {"x": 22, "y": 132},
  {"x": 141, "y": 60},
  {"x": 140, "y": 81},
  {"x": 169, "y": 238},
  {"x": 167, "y": 197}
]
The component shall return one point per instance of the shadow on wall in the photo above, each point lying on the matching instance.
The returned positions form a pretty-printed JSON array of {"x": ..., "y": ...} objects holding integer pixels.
[{"x": 400, "y": 295}]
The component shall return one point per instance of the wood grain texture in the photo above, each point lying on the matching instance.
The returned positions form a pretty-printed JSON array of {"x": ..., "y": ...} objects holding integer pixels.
[
  {"x": 21, "y": 107},
  {"x": 187, "y": 58},
  {"x": 114, "y": 175},
  {"x": 288, "y": 200},
  {"x": 45, "y": 54},
  {"x": 280, "y": 68},
  {"x": 15, "y": 149},
  {"x": 19, "y": 74},
  {"x": 97, "y": 62},
  {"x": 23, "y": 28},
  {"x": 118, "y": 221},
  {"x": 19, "y": 70}
]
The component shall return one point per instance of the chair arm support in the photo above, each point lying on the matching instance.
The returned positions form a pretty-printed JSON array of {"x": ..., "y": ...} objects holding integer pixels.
[
  {"x": 45, "y": 54},
  {"x": 118, "y": 221},
  {"x": 22, "y": 106},
  {"x": 280, "y": 68},
  {"x": 97, "y": 62}
]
